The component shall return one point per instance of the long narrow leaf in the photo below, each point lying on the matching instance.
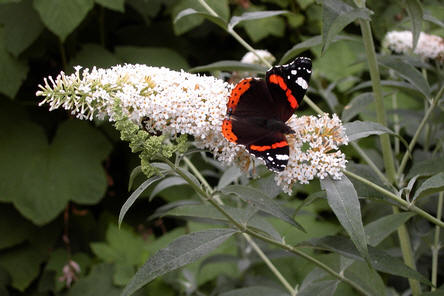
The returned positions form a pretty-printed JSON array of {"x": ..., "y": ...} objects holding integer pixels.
[
  {"x": 230, "y": 66},
  {"x": 248, "y": 16},
  {"x": 432, "y": 185},
  {"x": 184, "y": 250},
  {"x": 130, "y": 201},
  {"x": 378, "y": 230},
  {"x": 344, "y": 202},
  {"x": 414, "y": 9},
  {"x": 262, "y": 202},
  {"x": 189, "y": 11},
  {"x": 360, "y": 129}
]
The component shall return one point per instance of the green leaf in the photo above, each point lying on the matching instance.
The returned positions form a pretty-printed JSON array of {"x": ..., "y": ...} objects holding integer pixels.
[
  {"x": 184, "y": 250},
  {"x": 255, "y": 291},
  {"x": 167, "y": 183},
  {"x": 23, "y": 265},
  {"x": 336, "y": 15},
  {"x": 11, "y": 236},
  {"x": 378, "y": 230},
  {"x": 189, "y": 12},
  {"x": 260, "y": 201},
  {"x": 230, "y": 66},
  {"x": 190, "y": 20},
  {"x": 414, "y": 9},
  {"x": 229, "y": 176},
  {"x": 13, "y": 71},
  {"x": 360, "y": 129},
  {"x": 62, "y": 16},
  {"x": 22, "y": 26},
  {"x": 124, "y": 248},
  {"x": 97, "y": 283},
  {"x": 152, "y": 56},
  {"x": 356, "y": 106},
  {"x": 426, "y": 167},
  {"x": 254, "y": 15},
  {"x": 406, "y": 71},
  {"x": 430, "y": 186},
  {"x": 40, "y": 179},
  {"x": 94, "y": 55},
  {"x": 130, "y": 201},
  {"x": 317, "y": 283},
  {"x": 263, "y": 27},
  {"x": 344, "y": 202},
  {"x": 243, "y": 216},
  {"x": 366, "y": 277},
  {"x": 379, "y": 259},
  {"x": 147, "y": 9},
  {"x": 117, "y": 5}
]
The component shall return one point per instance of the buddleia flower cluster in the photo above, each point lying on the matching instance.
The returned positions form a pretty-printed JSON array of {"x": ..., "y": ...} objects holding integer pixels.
[
  {"x": 428, "y": 47},
  {"x": 172, "y": 103}
]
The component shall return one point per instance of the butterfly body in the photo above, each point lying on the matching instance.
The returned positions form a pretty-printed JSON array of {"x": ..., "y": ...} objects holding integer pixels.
[{"x": 257, "y": 111}]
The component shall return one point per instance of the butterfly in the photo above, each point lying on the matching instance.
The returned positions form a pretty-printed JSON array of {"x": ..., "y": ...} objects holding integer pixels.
[{"x": 257, "y": 111}]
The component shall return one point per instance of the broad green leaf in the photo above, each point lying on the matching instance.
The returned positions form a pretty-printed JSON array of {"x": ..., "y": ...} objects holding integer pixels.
[
  {"x": 130, "y": 201},
  {"x": 124, "y": 248},
  {"x": 22, "y": 26},
  {"x": 254, "y": 15},
  {"x": 147, "y": 9},
  {"x": 93, "y": 55},
  {"x": 22, "y": 264},
  {"x": 243, "y": 216},
  {"x": 13, "y": 71},
  {"x": 98, "y": 283},
  {"x": 430, "y": 186},
  {"x": 63, "y": 16},
  {"x": 255, "y": 291},
  {"x": 356, "y": 106},
  {"x": 260, "y": 28},
  {"x": 117, "y": 5},
  {"x": 190, "y": 12},
  {"x": 260, "y": 201},
  {"x": 406, "y": 71},
  {"x": 166, "y": 183},
  {"x": 11, "y": 236},
  {"x": 40, "y": 179},
  {"x": 414, "y": 9},
  {"x": 230, "y": 66},
  {"x": 336, "y": 15},
  {"x": 378, "y": 230},
  {"x": 426, "y": 167},
  {"x": 379, "y": 259},
  {"x": 190, "y": 20},
  {"x": 344, "y": 202},
  {"x": 152, "y": 56},
  {"x": 184, "y": 250},
  {"x": 360, "y": 129}
]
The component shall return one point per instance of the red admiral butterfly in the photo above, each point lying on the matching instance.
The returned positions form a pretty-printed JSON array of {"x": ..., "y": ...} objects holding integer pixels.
[{"x": 257, "y": 110}]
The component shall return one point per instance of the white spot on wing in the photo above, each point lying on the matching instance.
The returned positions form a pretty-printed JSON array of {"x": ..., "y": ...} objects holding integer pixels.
[
  {"x": 282, "y": 156},
  {"x": 270, "y": 158},
  {"x": 302, "y": 83},
  {"x": 294, "y": 72}
]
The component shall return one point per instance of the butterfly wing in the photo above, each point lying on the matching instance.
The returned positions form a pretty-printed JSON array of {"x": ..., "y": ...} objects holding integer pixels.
[{"x": 288, "y": 84}]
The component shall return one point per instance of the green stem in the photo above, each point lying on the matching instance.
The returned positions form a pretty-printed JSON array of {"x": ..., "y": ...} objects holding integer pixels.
[
  {"x": 418, "y": 132},
  {"x": 436, "y": 243},
  {"x": 245, "y": 230},
  {"x": 394, "y": 197},
  {"x": 396, "y": 125},
  {"x": 407, "y": 253},
  {"x": 258, "y": 250},
  {"x": 377, "y": 92}
]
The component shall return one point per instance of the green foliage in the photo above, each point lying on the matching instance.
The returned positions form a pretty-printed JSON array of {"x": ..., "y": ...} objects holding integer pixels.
[{"x": 63, "y": 182}]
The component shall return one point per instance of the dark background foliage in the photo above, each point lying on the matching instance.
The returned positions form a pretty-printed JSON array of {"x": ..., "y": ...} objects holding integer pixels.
[{"x": 63, "y": 182}]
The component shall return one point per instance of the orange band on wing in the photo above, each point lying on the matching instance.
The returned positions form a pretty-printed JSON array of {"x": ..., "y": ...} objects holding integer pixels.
[
  {"x": 237, "y": 92},
  {"x": 276, "y": 79},
  {"x": 268, "y": 147},
  {"x": 227, "y": 131}
]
